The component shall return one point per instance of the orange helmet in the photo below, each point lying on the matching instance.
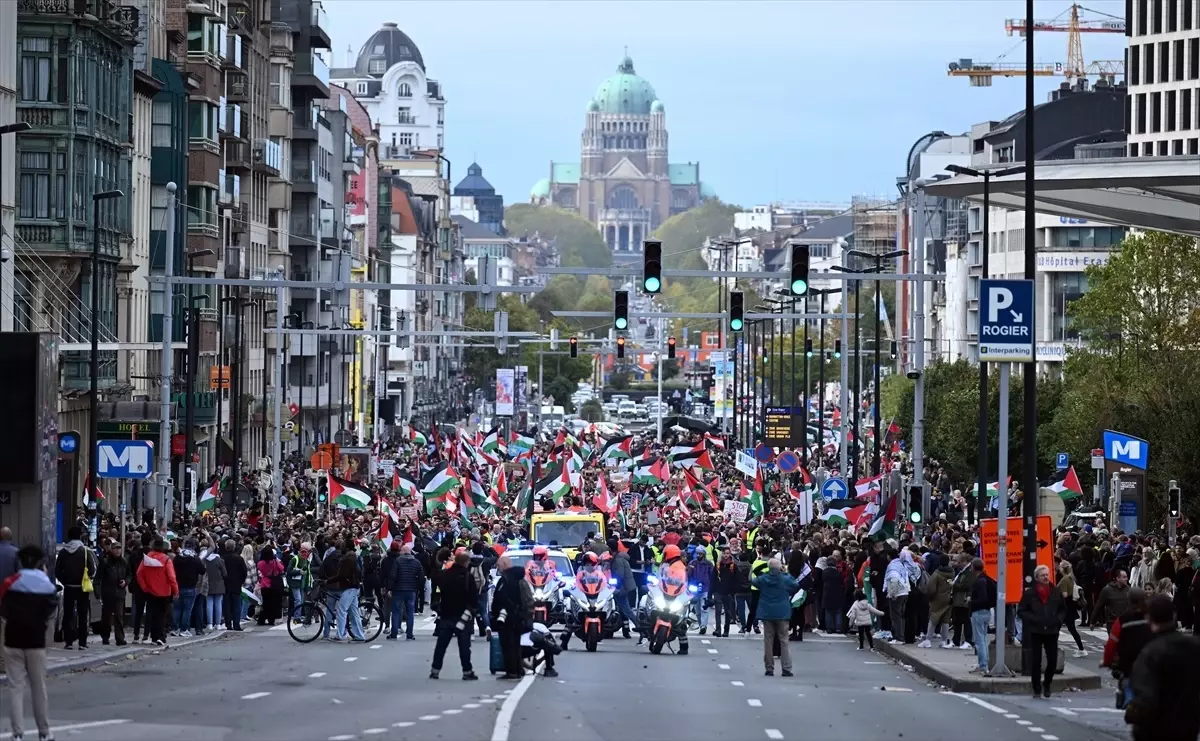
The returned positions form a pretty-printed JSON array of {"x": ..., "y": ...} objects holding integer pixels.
[
  {"x": 671, "y": 551},
  {"x": 591, "y": 558},
  {"x": 540, "y": 551}
]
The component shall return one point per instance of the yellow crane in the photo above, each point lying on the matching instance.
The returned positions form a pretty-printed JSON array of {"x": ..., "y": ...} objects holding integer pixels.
[{"x": 981, "y": 74}]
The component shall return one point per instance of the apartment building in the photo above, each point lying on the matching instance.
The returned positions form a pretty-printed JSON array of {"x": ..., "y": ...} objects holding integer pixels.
[{"x": 1162, "y": 61}]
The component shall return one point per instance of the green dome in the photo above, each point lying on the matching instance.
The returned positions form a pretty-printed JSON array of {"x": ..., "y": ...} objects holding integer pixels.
[
  {"x": 625, "y": 92},
  {"x": 657, "y": 107},
  {"x": 593, "y": 106},
  {"x": 706, "y": 191},
  {"x": 541, "y": 189}
]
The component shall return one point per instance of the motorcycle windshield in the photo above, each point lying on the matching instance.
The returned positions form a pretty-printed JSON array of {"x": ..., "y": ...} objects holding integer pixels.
[
  {"x": 591, "y": 582},
  {"x": 673, "y": 586},
  {"x": 539, "y": 573}
]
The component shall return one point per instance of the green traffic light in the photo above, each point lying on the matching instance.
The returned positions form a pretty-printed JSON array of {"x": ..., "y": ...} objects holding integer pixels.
[
  {"x": 836, "y": 355},
  {"x": 914, "y": 517},
  {"x": 735, "y": 325},
  {"x": 622, "y": 323},
  {"x": 799, "y": 287},
  {"x": 653, "y": 284},
  {"x": 809, "y": 353}
]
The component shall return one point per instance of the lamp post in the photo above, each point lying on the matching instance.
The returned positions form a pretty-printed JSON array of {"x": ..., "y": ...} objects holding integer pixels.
[
  {"x": 193, "y": 359},
  {"x": 981, "y": 472},
  {"x": 5, "y": 255},
  {"x": 303, "y": 383},
  {"x": 822, "y": 293},
  {"x": 94, "y": 363}
]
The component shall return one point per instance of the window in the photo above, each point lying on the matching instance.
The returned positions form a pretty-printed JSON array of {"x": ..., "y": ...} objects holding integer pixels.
[
  {"x": 1142, "y": 7},
  {"x": 1155, "y": 112},
  {"x": 362, "y": 88},
  {"x": 404, "y": 115},
  {"x": 1185, "y": 109},
  {"x": 35, "y": 69},
  {"x": 1140, "y": 118},
  {"x": 162, "y": 127},
  {"x": 1135, "y": 64},
  {"x": 37, "y": 201},
  {"x": 1173, "y": 15},
  {"x": 441, "y": 116},
  {"x": 377, "y": 66},
  {"x": 1194, "y": 54},
  {"x": 1156, "y": 22},
  {"x": 406, "y": 139},
  {"x": 1164, "y": 61},
  {"x": 1180, "y": 58},
  {"x": 206, "y": 36},
  {"x": 405, "y": 90},
  {"x": 279, "y": 89},
  {"x": 159, "y": 201},
  {"x": 1150, "y": 68},
  {"x": 441, "y": 145},
  {"x": 1188, "y": 18},
  {"x": 202, "y": 206},
  {"x": 1169, "y": 123}
]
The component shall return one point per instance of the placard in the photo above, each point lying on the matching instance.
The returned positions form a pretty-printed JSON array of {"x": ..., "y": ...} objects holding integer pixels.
[
  {"x": 412, "y": 512},
  {"x": 746, "y": 464},
  {"x": 736, "y": 510}
]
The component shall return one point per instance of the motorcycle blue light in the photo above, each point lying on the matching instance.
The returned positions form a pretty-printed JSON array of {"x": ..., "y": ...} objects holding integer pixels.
[
  {"x": 612, "y": 582},
  {"x": 651, "y": 579},
  {"x": 693, "y": 589}
]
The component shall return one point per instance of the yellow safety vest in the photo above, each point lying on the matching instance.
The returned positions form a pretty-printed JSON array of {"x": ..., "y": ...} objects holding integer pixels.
[
  {"x": 750, "y": 536},
  {"x": 657, "y": 554},
  {"x": 757, "y": 569}
]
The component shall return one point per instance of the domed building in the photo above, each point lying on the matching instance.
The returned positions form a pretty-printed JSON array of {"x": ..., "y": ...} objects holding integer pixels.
[
  {"x": 623, "y": 181},
  {"x": 388, "y": 78}
]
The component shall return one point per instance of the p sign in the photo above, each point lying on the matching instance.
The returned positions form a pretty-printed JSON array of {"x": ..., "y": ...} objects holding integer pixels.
[
  {"x": 124, "y": 459},
  {"x": 1006, "y": 321},
  {"x": 1126, "y": 449}
]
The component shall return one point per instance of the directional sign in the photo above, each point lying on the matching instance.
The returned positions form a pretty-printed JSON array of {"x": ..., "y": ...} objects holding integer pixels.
[
  {"x": 834, "y": 488},
  {"x": 124, "y": 459},
  {"x": 1006, "y": 321},
  {"x": 1062, "y": 462},
  {"x": 1126, "y": 449}
]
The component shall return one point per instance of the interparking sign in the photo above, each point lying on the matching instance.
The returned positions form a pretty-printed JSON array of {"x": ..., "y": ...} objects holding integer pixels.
[{"x": 1006, "y": 321}]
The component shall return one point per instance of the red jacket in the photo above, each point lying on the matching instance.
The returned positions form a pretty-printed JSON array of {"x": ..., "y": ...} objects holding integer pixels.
[{"x": 156, "y": 575}]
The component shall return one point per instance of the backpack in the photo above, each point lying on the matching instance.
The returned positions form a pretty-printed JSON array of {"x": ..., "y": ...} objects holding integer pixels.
[{"x": 478, "y": 577}]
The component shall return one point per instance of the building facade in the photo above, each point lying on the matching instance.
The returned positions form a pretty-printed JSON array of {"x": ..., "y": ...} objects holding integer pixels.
[
  {"x": 476, "y": 199},
  {"x": 8, "y": 152},
  {"x": 623, "y": 183},
  {"x": 1162, "y": 62}
]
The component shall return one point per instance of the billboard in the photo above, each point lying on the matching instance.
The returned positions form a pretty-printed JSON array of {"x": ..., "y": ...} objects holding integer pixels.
[
  {"x": 723, "y": 394},
  {"x": 505, "y": 391}
]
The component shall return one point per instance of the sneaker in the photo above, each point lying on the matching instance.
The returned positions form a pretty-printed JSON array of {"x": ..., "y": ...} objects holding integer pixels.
[
  {"x": 550, "y": 673},
  {"x": 703, "y": 631},
  {"x": 974, "y": 670},
  {"x": 1080, "y": 654},
  {"x": 1046, "y": 692},
  {"x": 390, "y": 638},
  {"x": 410, "y": 638},
  {"x": 860, "y": 648},
  {"x": 769, "y": 673},
  {"x": 786, "y": 673},
  {"x": 68, "y": 647},
  {"x": 159, "y": 642},
  {"x": 433, "y": 673},
  {"x": 894, "y": 642},
  {"x": 966, "y": 646},
  {"x": 924, "y": 644},
  {"x": 948, "y": 644},
  {"x": 469, "y": 676},
  {"x": 174, "y": 633},
  {"x": 47, "y": 737}
]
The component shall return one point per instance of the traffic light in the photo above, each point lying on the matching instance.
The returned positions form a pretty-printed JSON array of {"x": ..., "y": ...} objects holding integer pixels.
[
  {"x": 736, "y": 311},
  {"x": 620, "y": 347},
  {"x": 322, "y": 490},
  {"x": 1173, "y": 503},
  {"x": 574, "y": 343},
  {"x": 893, "y": 350},
  {"x": 652, "y": 266},
  {"x": 670, "y": 348},
  {"x": 621, "y": 309},
  {"x": 808, "y": 348},
  {"x": 837, "y": 349},
  {"x": 916, "y": 504},
  {"x": 799, "y": 269}
]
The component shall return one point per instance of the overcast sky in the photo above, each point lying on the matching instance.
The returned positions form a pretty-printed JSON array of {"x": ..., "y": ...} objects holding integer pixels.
[{"x": 802, "y": 100}]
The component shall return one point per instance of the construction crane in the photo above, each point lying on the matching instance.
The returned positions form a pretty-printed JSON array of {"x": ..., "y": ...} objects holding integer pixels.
[{"x": 981, "y": 74}]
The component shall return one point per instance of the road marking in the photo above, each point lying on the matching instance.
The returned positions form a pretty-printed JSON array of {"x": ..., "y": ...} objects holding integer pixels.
[
  {"x": 712, "y": 650},
  {"x": 1024, "y": 722},
  {"x": 1010, "y": 716},
  {"x": 877, "y": 662},
  {"x": 376, "y": 647},
  {"x": 255, "y": 695},
  {"x": 348, "y": 659},
  {"x": 470, "y": 705},
  {"x": 488, "y": 700},
  {"x": 981, "y": 703},
  {"x": 452, "y": 711},
  {"x": 705, "y": 641},
  {"x": 504, "y": 718},
  {"x": 374, "y": 731},
  {"x": 738, "y": 683},
  {"x": 1065, "y": 711},
  {"x": 754, "y": 703},
  {"x": 1098, "y": 710},
  {"x": 774, "y": 733},
  {"x": 403, "y": 724},
  {"x": 1035, "y": 729},
  {"x": 722, "y": 666},
  {"x": 1049, "y": 737},
  {"x": 343, "y": 737},
  {"x": 80, "y": 726},
  {"x": 501, "y": 696},
  {"x": 316, "y": 675},
  {"x": 429, "y": 717},
  {"x": 896, "y": 689}
]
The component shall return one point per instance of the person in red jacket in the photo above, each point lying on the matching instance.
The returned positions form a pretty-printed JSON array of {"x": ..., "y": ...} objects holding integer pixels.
[{"x": 156, "y": 577}]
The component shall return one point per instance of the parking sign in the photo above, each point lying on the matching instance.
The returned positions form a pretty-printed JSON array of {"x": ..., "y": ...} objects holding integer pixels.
[{"x": 1006, "y": 321}]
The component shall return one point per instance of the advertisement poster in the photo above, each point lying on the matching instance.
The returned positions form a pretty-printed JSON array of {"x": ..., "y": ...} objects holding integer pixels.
[
  {"x": 505, "y": 392},
  {"x": 723, "y": 389}
]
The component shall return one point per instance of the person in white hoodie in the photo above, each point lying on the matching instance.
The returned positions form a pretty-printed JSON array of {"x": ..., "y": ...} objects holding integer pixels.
[
  {"x": 859, "y": 617},
  {"x": 897, "y": 583}
]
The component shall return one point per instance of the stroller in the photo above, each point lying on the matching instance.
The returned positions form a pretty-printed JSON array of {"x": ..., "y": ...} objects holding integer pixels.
[{"x": 538, "y": 646}]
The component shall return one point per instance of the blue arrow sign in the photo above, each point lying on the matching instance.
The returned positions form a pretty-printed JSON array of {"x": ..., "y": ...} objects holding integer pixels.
[
  {"x": 1006, "y": 321},
  {"x": 124, "y": 459},
  {"x": 834, "y": 488}
]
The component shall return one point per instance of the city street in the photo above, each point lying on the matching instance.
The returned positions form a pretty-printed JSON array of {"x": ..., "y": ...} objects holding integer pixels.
[{"x": 263, "y": 685}]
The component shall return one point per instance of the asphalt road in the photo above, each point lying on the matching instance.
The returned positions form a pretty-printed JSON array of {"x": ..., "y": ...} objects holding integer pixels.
[{"x": 265, "y": 686}]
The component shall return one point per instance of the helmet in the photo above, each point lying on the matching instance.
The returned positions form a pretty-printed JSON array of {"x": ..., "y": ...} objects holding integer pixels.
[
  {"x": 591, "y": 558},
  {"x": 671, "y": 551},
  {"x": 540, "y": 551},
  {"x": 605, "y": 557}
]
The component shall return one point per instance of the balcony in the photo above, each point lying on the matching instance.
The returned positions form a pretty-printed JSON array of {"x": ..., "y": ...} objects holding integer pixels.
[
  {"x": 237, "y": 87},
  {"x": 238, "y": 156},
  {"x": 239, "y": 219},
  {"x": 407, "y": 120},
  {"x": 230, "y": 190},
  {"x": 207, "y": 8},
  {"x": 268, "y": 156},
  {"x": 311, "y": 73},
  {"x": 304, "y": 176},
  {"x": 318, "y": 33},
  {"x": 203, "y": 262},
  {"x": 304, "y": 124}
]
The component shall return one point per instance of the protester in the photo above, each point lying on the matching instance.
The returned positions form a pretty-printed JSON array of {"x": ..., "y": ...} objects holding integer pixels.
[
  {"x": 28, "y": 600},
  {"x": 114, "y": 577},
  {"x": 1164, "y": 681},
  {"x": 1042, "y": 611},
  {"x": 460, "y": 599},
  {"x": 774, "y": 610},
  {"x": 405, "y": 580},
  {"x": 75, "y": 568},
  {"x": 156, "y": 576},
  {"x": 512, "y": 614}
]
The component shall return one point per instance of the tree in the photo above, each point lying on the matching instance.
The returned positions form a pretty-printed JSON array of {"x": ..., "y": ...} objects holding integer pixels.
[
  {"x": 670, "y": 368},
  {"x": 592, "y": 410},
  {"x": 619, "y": 380},
  {"x": 562, "y": 388},
  {"x": 579, "y": 242},
  {"x": 482, "y": 362}
]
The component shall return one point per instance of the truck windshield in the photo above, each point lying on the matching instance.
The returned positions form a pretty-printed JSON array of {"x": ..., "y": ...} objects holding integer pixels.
[{"x": 566, "y": 534}]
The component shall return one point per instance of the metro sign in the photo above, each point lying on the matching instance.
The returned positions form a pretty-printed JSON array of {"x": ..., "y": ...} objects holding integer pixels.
[
  {"x": 1006, "y": 321},
  {"x": 124, "y": 459},
  {"x": 1126, "y": 449}
]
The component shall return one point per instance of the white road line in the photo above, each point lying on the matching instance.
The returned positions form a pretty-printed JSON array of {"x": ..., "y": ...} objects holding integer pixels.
[
  {"x": 712, "y": 650},
  {"x": 705, "y": 641},
  {"x": 343, "y": 737},
  {"x": 1024, "y": 722},
  {"x": 470, "y": 705},
  {"x": 896, "y": 689},
  {"x": 362, "y": 679},
  {"x": 1035, "y": 729},
  {"x": 754, "y": 703},
  {"x": 1098, "y": 710},
  {"x": 451, "y": 711},
  {"x": 316, "y": 675},
  {"x": 488, "y": 700},
  {"x": 430, "y": 717},
  {"x": 255, "y": 695},
  {"x": 1065, "y": 711},
  {"x": 738, "y": 683},
  {"x": 374, "y": 731},
  {"x": 403, "y": 724},
  {"x": 723, "y": 666},
  {"x": 504, "y": 718},
  {"x": 348, "y": 659},
  {"x": 774, "y": 733},
  {"x": 1011, "y": 716},
  {"x": 80, "y": 726},
  {"x": 877, "y": 662},
  {"x": 376, "y": 647},
  {"x": 981, "y": 703},
  {"x": 1049, "y": 737}
]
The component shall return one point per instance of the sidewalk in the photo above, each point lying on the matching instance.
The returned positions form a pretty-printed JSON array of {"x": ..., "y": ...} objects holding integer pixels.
[
  {"x": 951, "y": 669},
  {"x": 61, "y": 661}
]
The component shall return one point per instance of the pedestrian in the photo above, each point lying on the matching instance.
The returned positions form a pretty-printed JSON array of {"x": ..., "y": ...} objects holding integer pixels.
[
  {"x": 347, "y": 584},
  {"x": 214, "y": 571},
  {"x": 1113, "y": 601},
  {"x": 940, "y": 591},
  {"x": 271, "y": 586},
  {"x": 1042, "y": 610},
  {"x": 961, "y": 630},
  {"x": 156, "y": 577},
  {"x": 979, "y": 607},
  {"x": 897, "y": 583},
  {"x": 405, "y": 581},
  {"x": 1165, "y": 684},
  {"x": 188, "y": 570},
  {"x": 75, "y": 568},
  {"x": 700, "y": 575},
  {"x": 1073, "y": 597},
  {"x": 114, "y": 578},
  {"x": 9, "y": 565},
  {"x": 459, "y": 599},
  {"x": 299, "y": 577},
  {"x": 859, "y": 618},
  {"x": 235, "y": 577},
  {"x": 1129, "y": 635},
  {"x": 512, "y": 614},
  {"x": 625, "y": 594},
  {"x": 775, "y": 590},
  {"x": 135, "y": 549},
  {"x": 28, "y": 600}
]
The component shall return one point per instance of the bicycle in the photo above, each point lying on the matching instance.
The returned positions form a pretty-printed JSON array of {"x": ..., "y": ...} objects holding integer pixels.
[{"x": 314, "y": 614}]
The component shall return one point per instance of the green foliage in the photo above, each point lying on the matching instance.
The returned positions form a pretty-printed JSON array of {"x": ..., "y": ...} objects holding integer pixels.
[
  {"x": 482, "y": 362},
  {"x": 620, "y": 380},
  {"x": 561, "y": 388},
  {"x": 892, "y": 391},
  {"x": 579, "y": 241},
  {"x": 670, "y": 368},
  {"x": 592, "y": 410}
]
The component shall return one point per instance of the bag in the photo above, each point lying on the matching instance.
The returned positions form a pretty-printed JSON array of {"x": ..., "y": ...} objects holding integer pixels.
[
  {"x": 798, "y": 598},
  {"x": 1077, "y": 593},
  {"x": 86, "y": 583},
  {"x": 495, "y": 654}
]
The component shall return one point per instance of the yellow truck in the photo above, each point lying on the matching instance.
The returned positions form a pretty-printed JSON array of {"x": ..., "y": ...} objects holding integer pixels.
[{"x": 566, "y": 530}]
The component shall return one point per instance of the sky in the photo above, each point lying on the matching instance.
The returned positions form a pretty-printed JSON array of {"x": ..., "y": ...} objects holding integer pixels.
[{"x": 801, "y": 100}]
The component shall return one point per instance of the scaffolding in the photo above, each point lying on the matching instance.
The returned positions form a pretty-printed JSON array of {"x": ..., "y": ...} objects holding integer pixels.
[{"x": 874, "y": 226}]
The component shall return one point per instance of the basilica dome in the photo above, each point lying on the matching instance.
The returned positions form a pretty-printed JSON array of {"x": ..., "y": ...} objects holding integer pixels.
[{"x": 625, "y": 92}]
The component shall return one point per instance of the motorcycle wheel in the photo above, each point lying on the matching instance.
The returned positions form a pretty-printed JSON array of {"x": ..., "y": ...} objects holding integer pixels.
[
  {"x": 658, "y": 640},
  {"x": 592, "y": 640}
]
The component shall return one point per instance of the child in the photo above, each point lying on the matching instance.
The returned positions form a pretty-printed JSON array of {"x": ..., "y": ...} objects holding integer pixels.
[{"x": 859, "y": 616}]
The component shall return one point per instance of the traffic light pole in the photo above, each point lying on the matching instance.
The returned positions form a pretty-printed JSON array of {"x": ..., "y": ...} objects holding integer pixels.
[{"x": 1000, "y": 669}]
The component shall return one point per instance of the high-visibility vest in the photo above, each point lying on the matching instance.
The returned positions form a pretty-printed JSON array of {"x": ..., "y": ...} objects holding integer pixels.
[
  {"x": 657, "y": 554},
  {"x": 750, "y": 536},
  {"x": 758, "y": 568}
]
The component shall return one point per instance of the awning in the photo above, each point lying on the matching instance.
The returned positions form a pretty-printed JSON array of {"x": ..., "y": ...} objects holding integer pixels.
[{"x": 1153, "y": 193}]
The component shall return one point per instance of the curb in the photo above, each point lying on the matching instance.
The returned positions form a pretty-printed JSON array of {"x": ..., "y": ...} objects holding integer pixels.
[
  {"x": 129, "y": 652},
  {"x": 983, "y": 685}
]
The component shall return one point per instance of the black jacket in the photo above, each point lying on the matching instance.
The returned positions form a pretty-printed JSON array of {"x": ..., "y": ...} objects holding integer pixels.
[
  {"x": 1043, "y": 618},
  {"x": 725, "y": 580},
  {"x": 235, "y": 573},
  {"x": 406, "y": 574},
  {"x": 1165, "y": 687},
  {"x": 459, "y": 593},
  {"x": 69, "y": 565},
  {"x": 833, "y": 589},
  {"x": 113, "y": 571},
  {"x": 188, "y": 570},
  {"x": 349, "y": 575},
  {"x": 27, "y": 605},
  {"x": 514, "y": 596},
  {"x": 1132, "y": 636}
]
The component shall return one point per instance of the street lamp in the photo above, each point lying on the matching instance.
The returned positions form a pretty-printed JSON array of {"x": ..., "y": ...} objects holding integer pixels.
[
  {"x": 94, "y": 364},
  {"x": 982, "y": 463},
  {"x": 5, "y": 255}
]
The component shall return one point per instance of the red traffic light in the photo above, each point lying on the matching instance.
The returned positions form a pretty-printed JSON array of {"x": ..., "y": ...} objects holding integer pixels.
[
  {"x": 574, "y": 347},
  {"x": 670, "y": 347},
  {"x": 620, "y": 347}
]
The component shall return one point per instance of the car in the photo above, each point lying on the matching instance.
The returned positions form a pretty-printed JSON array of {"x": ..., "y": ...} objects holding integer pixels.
[
  {"x": 610, "y": 408},
  {"x": 627, "y": 410}
]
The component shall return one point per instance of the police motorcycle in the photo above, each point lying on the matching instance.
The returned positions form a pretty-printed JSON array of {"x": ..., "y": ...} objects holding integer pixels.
[
  {"x": 591, "y": 609},
  {"x": 547, "y": 585},
  {"x": 665, "y": 612}
]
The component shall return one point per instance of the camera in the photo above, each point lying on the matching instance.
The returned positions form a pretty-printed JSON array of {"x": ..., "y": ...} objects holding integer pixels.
[{"x": 912, "y": 372}]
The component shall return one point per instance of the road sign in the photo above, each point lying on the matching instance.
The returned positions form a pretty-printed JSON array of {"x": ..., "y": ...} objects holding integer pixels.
[
  {"x": 1126, "y": 449},
  {"x": 1062, "y": 462},
  {"x": 1015, "y": 553},
  {"x": 763, "y": 453},
  {"x": 68, "y": 443},
  {"x": 834, "y": 488},
  {"x": 124, "y": 459},
  {"x": 787, "y": 461},
  {"x": 1006, "y": 321}
]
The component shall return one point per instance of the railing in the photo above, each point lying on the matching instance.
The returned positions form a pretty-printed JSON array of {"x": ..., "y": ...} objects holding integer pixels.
[
  {"x": 268, "y": 153},
  {"x": 320, "y": 18},
  {"x": 320, "y": 69}
]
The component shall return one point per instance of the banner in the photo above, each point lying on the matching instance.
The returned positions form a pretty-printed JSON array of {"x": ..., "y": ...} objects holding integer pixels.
[
  {"x": 746, "y": 463},
  {"x": 505, "y": 392},
  {"x": 736, "y": 511}
]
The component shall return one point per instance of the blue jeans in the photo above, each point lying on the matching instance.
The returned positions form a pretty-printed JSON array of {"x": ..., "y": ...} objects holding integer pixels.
[
  {"x": 622, "y": 600},
  {"x": 183, "y": 608},
  {"x": 979, "y": 631},
  {"x": 741, "y": 604},
  {"x": 215, "y": 604},
  {"x": 701, "y": 610},
  {"x": 833, "y": 621},
  {"x": 331, "y": 604},
  {"x": 297, "y": 600},
  {"x": 403, "y": 604},
  {"x": 348, "y": 605}
]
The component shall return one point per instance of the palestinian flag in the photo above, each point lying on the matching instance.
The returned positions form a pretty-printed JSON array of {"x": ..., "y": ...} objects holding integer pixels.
[
  {"x": 617, "y": 449},
  {"x": 210, "y": 496},
  {"x": 415, "y": 437},
  {"x": 521, "y": 443},
  {"x": 883, "y": 526},
  {"x": 438, "y": 486},
  {"x": 404, "y": 487},
  {"x": 556, "y": 485},
  {"x": 714, "y": 441},
  {"x": 653, "y": 471},
  {"x": 467, "y": 504},
  {"x": 754, "y": 497},
  {"x": 494, "y": 443},
  {"x": 846, "y": 515},
  {"x": 1065, "y": 484},
  {"x": 347, "y": 494},
  {"x": 522, "y": 502},
  {"x": 499, "y": 490},
  {"x": 385, "y": 508},
  {"x": 606, "y": 501},
  {"x": 697, "y": 490},
  {"x": 993, "y": 489},
  {"x": 407, "y": 537},
  {"x": 478, "y": 493},
  {"x": 696, "y": 456},
  {"x": 385, "y": 535},
  {"x": 91, "y": 495}
]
